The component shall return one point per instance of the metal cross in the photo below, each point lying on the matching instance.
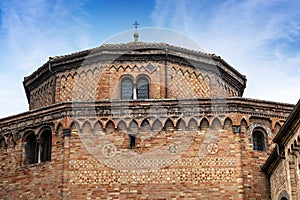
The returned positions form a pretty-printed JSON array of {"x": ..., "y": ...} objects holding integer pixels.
[{"x": 136, "y": 24}]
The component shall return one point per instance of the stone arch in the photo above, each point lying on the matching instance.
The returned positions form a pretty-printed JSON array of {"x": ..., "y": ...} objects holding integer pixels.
[
  {"x": 204, "y": 124},
  {"x": 122, "y": 126},
  {"x": 216, "y": 123},
  {"x": 98, "y": 128},
  {"x": 169, "y": 125},
  {"x": 180, "y": 125},
  {"x": 227, "y": 123},
  {"x": 192, "y": 125},
  {"x": 75, "y": 127},
  {"x": 145, "y": 126},
  {"x": 86, "y": 128},
  {"x": 109, "y": 127},
  {"x": 157, "y": 125},
  {"x": 133, "y": 127}
]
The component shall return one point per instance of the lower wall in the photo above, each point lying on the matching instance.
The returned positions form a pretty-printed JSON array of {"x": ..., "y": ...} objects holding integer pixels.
[
  {"x": 209, "y": 168},
  {"x": 34, "y": 181}
]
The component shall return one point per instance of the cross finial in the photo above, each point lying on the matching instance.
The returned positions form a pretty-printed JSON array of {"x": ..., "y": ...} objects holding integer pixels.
[{"x": 136, "y": 24}]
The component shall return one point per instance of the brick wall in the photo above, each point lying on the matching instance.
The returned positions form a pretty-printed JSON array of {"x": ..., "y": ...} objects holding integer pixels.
[
  {"x": 34, "y": 181},
  {"x": 184, "y": 160},
  {"x": 102, "y": 81}
]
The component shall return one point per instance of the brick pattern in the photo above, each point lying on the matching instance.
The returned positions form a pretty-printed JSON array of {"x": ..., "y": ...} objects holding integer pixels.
[
  {"x": 41, "y": 96},
  {"x": 217, "y": 164},
  {"x": 102, "y": 81},
  {"x": 35, "y": 181},
  {"x": 187, "y": 83}
]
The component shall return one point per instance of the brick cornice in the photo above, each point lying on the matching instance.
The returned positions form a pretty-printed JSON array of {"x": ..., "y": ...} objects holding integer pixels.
[{"x": 162, "y": 108}]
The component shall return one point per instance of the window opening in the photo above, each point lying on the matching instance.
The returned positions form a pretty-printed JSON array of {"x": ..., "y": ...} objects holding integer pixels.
[{"x": 126, "y": 88}]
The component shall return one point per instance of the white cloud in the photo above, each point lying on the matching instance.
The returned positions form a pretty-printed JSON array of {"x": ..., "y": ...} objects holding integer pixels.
[
  {"x": 30, "y": 32},
  {"x": 256, "y": 37}
]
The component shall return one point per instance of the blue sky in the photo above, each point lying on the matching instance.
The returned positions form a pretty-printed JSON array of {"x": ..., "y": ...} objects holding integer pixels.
[{"x": 261, "y": 39}]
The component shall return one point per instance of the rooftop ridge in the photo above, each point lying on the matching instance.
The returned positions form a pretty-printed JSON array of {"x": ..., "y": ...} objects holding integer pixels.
[{"x": 129, "y": 46}]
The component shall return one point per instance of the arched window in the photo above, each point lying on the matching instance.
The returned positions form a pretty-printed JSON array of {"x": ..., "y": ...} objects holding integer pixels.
[
  {"x": 31, "y": 149},
  {"x": 142, "y": 88},
  {"x": 126, "y": 88},
  {"x": 46, "y": 145},
  {"x": 258, "y": 140}
]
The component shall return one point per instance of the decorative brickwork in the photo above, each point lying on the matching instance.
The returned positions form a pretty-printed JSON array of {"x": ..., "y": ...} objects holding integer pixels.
[
  {"x": 191, "y": 139},
  {"x": 216, "y": 164}
]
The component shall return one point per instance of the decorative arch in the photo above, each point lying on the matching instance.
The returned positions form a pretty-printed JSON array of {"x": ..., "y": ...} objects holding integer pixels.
[
  {"x": 98, "y": 128},
  {"x": 180, "y": 125},
  {"x": 133, "y": 127},
  {"x": 204, "y": 124},
  {"x": 75, "y": 127},
  {"x": 192, "y": 125},
  {"x": 86, "y": 127},
  {"x": 157, "y": 125},
  {"x": 122, "y": 126},
  {"x": 227, "y": 123},
  {"x": 145, "y": 126},
  {"x": 216, "y": 123},
  {"x": 169, "y": 126},
  {"x": 109, "y": 127}
]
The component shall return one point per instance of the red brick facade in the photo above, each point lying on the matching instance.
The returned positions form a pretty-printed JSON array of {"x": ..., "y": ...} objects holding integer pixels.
[
  {"x": 192, "y": 139},
  {"x": 283, "y": 165}
]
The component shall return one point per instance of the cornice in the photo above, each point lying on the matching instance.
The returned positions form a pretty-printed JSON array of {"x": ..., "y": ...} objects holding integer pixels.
[{"x": 163, "y": 108}]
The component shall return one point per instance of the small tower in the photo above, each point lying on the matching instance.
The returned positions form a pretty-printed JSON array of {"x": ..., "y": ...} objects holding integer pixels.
[{"x": 136, "y": 34}]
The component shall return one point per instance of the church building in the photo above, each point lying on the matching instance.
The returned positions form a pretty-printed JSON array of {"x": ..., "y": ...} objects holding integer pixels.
[{"x": 143, "y": 120}]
